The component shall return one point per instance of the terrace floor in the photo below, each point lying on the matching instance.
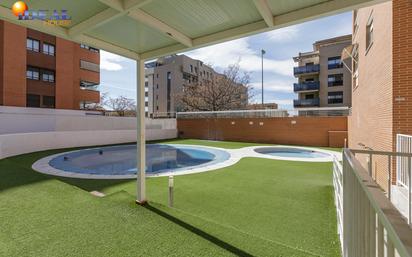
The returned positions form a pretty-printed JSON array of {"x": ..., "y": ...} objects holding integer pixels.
[{"x": 257, "y": 207}]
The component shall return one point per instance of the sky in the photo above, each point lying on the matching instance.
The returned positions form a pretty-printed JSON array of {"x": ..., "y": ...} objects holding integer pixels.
[{"x": 118, "y": 74}]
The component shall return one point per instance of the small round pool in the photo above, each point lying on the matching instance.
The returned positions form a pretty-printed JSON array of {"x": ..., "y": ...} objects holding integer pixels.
[
  {"x": 121, "y": 160},
  {"x": 290, "y": 152}
]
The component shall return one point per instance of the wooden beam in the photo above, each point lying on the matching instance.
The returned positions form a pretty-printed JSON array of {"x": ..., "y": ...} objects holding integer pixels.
[
  {"x": 264, "y": 9},
  {"x": 109, "y": 47},
  {"x": 328, "y": 8},
  {"x": 150, "y": 21},
  {"x": 117, "y": 8},
  {"x": 115, "y": 4},
  {"x": 134, "y": 4},
  {"x": 94, "y": 21}
]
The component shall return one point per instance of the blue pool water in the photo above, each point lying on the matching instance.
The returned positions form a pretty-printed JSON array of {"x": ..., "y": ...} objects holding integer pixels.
[
  {"x": 291, "y": 152},
  {"x": 121, "y": 160}
]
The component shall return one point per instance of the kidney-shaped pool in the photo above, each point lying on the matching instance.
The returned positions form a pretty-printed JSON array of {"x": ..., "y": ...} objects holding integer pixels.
[
  {"x": 292, "y": 152},
  {"x": 120, "y": 161}
]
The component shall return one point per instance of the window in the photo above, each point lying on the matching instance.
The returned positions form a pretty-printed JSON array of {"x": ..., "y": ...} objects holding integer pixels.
[
  {"x": 89, "y": 66},
  {"x": 86, "y": 85},
  {"x": 334, "y": 62},
  {"x": 48, "y": 76},
  {"x": 196, "y": 70},
  {"x": 91, "y": 49},
  {"x": 33, "y": 100},
  {"x": 310, "y": 96},
  {"x": 48, "y": 101},
  {"x": 369, "y": 33},
  {"x": 33, "y": 45},
  {"x": 335, "y": 97},
  {"x": 191, "y": 68},
  {"x": 48, "y": 49},
  {"x": 335, "y": 80},
  {"x": 33, "y": 73}
]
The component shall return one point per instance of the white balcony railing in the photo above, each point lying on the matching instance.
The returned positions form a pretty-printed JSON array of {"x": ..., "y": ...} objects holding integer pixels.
[
  {"x": 268, "y": 113},
  {"x": 368, "y": 223}
]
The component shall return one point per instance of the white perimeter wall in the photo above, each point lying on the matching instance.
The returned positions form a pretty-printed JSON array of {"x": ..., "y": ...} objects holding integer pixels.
[{"x": 25, "y": 130}]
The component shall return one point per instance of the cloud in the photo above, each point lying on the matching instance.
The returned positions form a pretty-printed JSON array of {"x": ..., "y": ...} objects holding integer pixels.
[
  {"x": 111, "y": 62},
  {"x": 284, "y": 102},
  {"x": 282, "y": 35},
  {"x": 283, "y": 86},
  {"x": 225, "y": 54}
]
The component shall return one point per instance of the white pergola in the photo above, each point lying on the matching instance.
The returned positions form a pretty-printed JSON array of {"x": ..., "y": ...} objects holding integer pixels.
[{"x": 147, "y": 29}]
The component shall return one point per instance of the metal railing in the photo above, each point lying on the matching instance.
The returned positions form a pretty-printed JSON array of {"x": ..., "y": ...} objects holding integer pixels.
[
  {"x": 337, "y": 184},
  {"x": 306, "y": 102},
  {"x": 403, "y": 144},
  {"x": 306, "y": 86},
  {"x": 306, "y": 69},
  {"x": 267, "y": 113},
  {"x": 368, "y": 223}
]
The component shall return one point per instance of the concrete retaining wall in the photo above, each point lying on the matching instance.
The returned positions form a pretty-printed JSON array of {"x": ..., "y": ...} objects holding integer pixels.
[{"x": 25, "y": 130}]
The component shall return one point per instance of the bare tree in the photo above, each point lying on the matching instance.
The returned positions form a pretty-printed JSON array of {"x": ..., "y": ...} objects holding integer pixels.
[
  {"x": 227, "y": 91},
  {"x": 121, "y": 105}
]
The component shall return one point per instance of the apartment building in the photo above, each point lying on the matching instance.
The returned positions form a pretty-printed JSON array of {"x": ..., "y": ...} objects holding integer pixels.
[
  {"x": 44, "y": 71},
  {"x": 264, "y": 106},
  {"x": 382, "y": 90},
  {"x": 165, "y": 78},
  {"x": 323, "y": 81}
]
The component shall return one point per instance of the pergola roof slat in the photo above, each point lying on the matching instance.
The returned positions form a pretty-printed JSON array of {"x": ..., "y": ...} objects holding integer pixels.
[{"x": 150, "y": 31}]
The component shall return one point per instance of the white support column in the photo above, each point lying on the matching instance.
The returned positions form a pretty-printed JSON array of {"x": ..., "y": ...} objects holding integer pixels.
[{"x": 141, "y": 139}]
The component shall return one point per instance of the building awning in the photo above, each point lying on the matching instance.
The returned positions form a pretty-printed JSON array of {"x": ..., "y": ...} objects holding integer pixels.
[
  {"x": 146, "y": 29},
  {"x": 347, "y": 56},
  {"x": 348, "y": 52}
]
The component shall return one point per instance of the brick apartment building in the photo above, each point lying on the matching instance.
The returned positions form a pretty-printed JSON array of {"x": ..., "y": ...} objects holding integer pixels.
[
  {"x": 40, "y": 70},
  {"x": 323, "y": 81},
  {"x": 382, "y": 80}
]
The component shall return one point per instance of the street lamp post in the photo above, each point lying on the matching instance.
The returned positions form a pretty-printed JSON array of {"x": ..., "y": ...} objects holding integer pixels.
[{"x": 262, "y": 52}]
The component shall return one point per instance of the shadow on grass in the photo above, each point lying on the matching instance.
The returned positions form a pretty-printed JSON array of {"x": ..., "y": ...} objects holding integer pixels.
[
  {"x": 226, "y": 246},
  {"x": 16, "y": 171}
]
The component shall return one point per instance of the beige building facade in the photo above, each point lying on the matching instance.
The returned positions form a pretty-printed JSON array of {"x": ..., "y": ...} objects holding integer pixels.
[
  {"x": 165, "y": 78},
  {"x": 323, "y": 80}
]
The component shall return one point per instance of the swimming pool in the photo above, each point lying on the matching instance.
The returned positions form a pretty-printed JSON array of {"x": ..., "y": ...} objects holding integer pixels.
[
  {"x": 120, "y": 161},
  {"x": 291, "y": 152}
]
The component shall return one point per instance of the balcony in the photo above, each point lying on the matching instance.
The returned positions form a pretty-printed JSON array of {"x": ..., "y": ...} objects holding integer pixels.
[
  {"x": 332, "y": 66},
  {"x": 306, "y": 86},
  {"x": 306, "y": 102},
  {"x": 307, "y": 69},
  {"x": 335, "y": 83}
]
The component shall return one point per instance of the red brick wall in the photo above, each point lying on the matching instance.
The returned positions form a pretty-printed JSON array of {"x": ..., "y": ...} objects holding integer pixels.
[
  {"x": 402, "y": 68},
  {"x": 309, "y": 131},
  {"x": 337, "y": 138},
  {"x": 64, "y": 74},
  {"x": 14, "y": 68}
]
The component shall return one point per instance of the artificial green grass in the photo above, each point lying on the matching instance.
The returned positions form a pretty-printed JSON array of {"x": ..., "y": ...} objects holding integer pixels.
[{"x": 257, "y": 207}]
